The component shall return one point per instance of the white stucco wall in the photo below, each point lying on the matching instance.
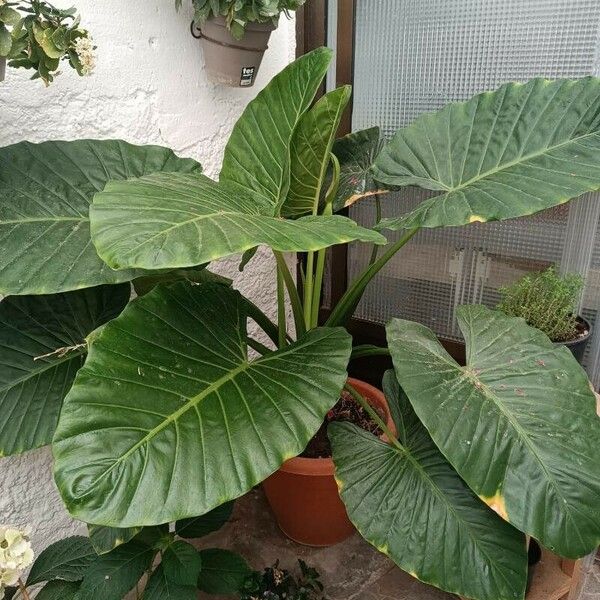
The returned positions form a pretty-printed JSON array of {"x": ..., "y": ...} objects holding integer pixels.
[{"x": 149, "y": 87}]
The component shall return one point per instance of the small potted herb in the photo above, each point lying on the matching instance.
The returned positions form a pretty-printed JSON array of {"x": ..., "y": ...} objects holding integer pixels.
[
  {"x": 38, "y": 36},
  {"x": 548, "y": 301},
  {"x": 235, "y": 35}
]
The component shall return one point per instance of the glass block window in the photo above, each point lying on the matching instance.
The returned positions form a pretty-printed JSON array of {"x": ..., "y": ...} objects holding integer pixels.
[{"x": 414, "y": 56}]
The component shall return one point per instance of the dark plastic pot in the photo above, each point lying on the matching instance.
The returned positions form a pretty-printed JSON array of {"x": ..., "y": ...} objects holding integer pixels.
[
  {"x": 578, "y": 346},
  {"x": 234, "y": 62},
  {"x": 304, "y": 495}
]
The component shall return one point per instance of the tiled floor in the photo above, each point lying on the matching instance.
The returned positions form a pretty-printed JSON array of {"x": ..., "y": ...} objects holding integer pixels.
[{"x": 352, "y": 570}]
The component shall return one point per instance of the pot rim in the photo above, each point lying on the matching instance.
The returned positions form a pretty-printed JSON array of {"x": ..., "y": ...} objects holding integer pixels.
[
  {"x": 324, "y": 467},
  {"x": 580, "y": 340}
]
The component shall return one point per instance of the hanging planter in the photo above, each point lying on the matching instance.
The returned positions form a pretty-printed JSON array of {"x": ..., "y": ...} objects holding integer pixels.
[
  {"x": 230, "y": 61},
  {"x": 235, "y": 35}
]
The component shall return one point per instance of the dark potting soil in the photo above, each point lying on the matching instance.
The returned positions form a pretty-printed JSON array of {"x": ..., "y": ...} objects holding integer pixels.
[{"x": 346, "y": 409}]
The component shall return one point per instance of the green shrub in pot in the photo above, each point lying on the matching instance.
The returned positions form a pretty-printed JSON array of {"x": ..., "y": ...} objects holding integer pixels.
[
  {"x": 238, "y": 13},
  {"x": 169, "y": 417},
  {"x": 547, "y": 301}
]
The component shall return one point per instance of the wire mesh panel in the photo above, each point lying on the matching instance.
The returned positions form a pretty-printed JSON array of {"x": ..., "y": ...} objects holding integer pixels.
[{"x": 414, "y": 56}]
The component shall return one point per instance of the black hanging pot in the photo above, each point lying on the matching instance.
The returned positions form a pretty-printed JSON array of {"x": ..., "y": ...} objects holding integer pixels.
[
  {"x": 578, "y": 345},
  {"x": 229, "y": 61}
]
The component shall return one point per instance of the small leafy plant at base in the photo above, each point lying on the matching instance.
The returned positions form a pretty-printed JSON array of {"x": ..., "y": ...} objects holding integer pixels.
[
  {"x": 275, "y": 583},
  {"x": 111, "y": 562},
  {"x": 547, "y": 301},
  {"x": 38, "y": 36},
  {"x": 238, "y": 13}
]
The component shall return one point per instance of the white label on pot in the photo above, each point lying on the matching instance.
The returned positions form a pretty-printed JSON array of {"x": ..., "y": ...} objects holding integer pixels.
[{"x": 247, "y": 76}]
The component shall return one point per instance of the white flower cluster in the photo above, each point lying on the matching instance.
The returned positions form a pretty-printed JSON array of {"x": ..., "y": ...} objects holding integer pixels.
[
  {"x": 15, "y": 554},
  {"x": 84, "y": 48}
]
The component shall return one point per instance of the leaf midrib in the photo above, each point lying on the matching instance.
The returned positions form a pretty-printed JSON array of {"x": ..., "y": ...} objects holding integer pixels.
[
  {"x": 404, "y": 450},
  {"x": 520, "y": 160}
]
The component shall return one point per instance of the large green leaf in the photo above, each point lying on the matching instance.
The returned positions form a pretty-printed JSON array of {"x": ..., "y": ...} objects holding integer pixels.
[
  {"x": 175, "y": 220},
  {"x": 45, "y": 193},
  {"x": 356, "y": 153},
  {"x": 223, "y": 571},
  {"x": 311, "y": 153},
  {"x": 502, "y": 154},
  {"x": 518, "y": 423},
  {"x": 257, "y": 156},
  {"x": 42, "y": 345},
  {"x": 168, "y": 418},
  {"x": 160, "y": 587},
  {"x": 411, "y": 505},
  {"x": 112, "y": 575},
  {"x": 106, "y": 539},
  {"x": 66, "y": 559}
]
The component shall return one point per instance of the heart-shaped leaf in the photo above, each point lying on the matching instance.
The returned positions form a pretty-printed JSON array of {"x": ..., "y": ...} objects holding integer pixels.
[
  {"x": 257, "y": 155},
  {"x": 165, "y": 398},
  {"x": 45, "y": 193},
  {"x": 176, "y": 220},
  {"x": 42, "y": 345},
  {"x": 411, "y": 505},
  {"x": 311, "y": 153},
  {"x": 356, "y": 153},
  {"x": 502, "y": 154},
  {"x": 66, "y": 559},
  {"x": 518, "y": 422}
]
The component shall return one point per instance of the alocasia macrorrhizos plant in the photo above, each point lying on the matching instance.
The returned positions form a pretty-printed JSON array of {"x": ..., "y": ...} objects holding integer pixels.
[{"x": 169, "y": 417}]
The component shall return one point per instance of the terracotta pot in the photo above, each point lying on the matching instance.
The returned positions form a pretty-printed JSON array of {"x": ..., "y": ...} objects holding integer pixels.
[
  {"x": 304, "y": 496},
  {"x": 234, "y": 62}
]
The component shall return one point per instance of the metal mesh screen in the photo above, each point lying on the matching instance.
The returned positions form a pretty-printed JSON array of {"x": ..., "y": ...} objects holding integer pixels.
[{"x": 413, "y": 56}]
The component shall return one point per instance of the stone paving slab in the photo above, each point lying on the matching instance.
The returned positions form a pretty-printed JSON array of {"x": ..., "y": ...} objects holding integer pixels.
[{"x": 352, "y": 570}]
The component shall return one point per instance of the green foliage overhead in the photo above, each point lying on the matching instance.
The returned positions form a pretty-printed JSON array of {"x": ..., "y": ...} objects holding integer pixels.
[
  {"x": 238, "y": 13},
  {"x": 503, "y": 154},
  {"x": 547, "y": 301},
  {"x": 45, "y": 195},
  {"x": 36, "y": 35}
]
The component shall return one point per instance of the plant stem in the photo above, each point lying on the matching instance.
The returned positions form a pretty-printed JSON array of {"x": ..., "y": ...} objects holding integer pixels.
[
  {"x": 375, "y": 250},
  {"x": 308, "y": 289},
  {"x": 281, "y": 316},
  {"x": 366, "y": 350},
  {"x": 373, "y": 414},
  {"x": 262, "y": 320},
  {"x": 293, "y": 295},
  {"x": 256, "y": 345},
  {"x": 316, "y": 298},
  {"x": 23, "y": 590},
  {"x": 349, "y": 301}
]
